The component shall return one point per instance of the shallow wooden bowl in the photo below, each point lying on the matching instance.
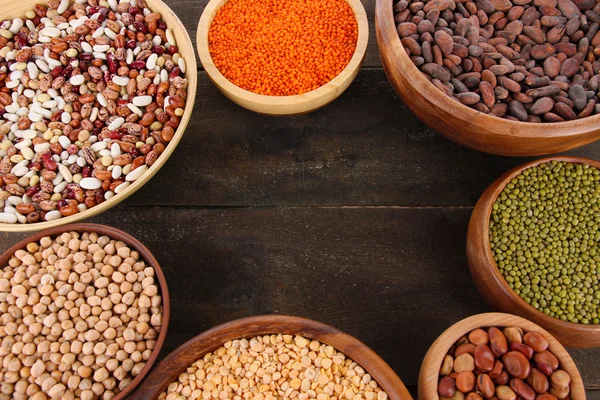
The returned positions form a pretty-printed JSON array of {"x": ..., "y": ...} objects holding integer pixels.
[
  {"x": 462, "y": 124},
  {"x": 145, "y": 254},
  {"x": 490, "y": 282},
  {"x": 282, "y": 105},
  {"x": 12, "y": 9},
  {"x": 430, "y": 368},
  {"x": 185, "y": 355}
]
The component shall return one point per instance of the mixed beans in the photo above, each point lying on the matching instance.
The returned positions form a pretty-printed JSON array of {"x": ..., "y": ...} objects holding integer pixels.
[
  {"x": 91, "y": 93},
  {"x": 506, "y": 364},
  {"x": 80, "y": 317},
  {"x": 274, "y": 367},
  {"x": 523, "y": 60}
]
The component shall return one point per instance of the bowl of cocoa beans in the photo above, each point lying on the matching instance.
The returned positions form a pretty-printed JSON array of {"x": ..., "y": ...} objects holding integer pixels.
[
  {"x": 84, "y": 314},
  {"x": 94, "y": 98},
  {"x": 507, "y": 77},
  {"x": 496, "y": 355}
]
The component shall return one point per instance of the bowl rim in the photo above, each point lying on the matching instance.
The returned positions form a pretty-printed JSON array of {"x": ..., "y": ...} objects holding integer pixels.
[
  {"x": 533, "y": 130},
  {"x": 145, "y": 254},
  {"x": 439, "y": 348},
  {"x": 282, "y": 105},
  {"x": 483, "y": 209},
  {"x": 191, "y": 74},
  {"x": 171, "y": 366}
]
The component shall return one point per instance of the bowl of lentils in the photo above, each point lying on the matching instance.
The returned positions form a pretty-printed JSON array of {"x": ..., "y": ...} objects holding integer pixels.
[
  {"x": 533, "y": 246},
  {"x": 499, "y": 356},
  {"x": 272, "y": 357},
  {"x": 508, "y": 77},
  {"x": 282, "y": 58},
  {"x": 84, "y": 314},
  {"x": 94, "y": 98}
]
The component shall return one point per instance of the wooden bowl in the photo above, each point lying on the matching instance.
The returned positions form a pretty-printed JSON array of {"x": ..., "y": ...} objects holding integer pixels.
[
  {"x": 282, "y": 105},
  {"x": 430, "y": 368},
  {"x": 14, "y": 9},
  {"x": 145, "y": 254},
  {"x": 492, "y": 285},
  {"x": 462, "y": 124},
  {"x": 185, "y": 355}
]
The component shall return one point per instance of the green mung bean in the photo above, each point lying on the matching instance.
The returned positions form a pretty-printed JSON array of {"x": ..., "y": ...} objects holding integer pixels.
[{"x": 545, "y": 239}]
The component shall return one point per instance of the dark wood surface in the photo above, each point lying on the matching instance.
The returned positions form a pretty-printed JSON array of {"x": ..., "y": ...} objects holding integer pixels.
[{"x": 355, "y": 215}]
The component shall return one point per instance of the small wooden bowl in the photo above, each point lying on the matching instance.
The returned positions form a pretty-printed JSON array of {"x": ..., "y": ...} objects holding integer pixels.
[
  {"x": 490, "y": 282},
  {"x": 145, "y": 254},
  {"x": 462, "y": 124},
  {"x": 185, "y": 355},
  {"x": 430, "y": 368},
  {"x": 12, "y": 9},
  {"x": 282, "y": 105}
]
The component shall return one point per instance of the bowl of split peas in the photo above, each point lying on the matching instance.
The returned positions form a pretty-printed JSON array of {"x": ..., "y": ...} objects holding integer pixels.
[
  {"x": 282, "y": 58},
  {"x": 272, "y": 357},
  {"x": 533, "y": 246},
  {"x": 496, "y": 355}
]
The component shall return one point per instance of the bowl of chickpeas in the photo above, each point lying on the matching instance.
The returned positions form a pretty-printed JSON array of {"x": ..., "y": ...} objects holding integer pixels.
[{"x": 84, "y": 313}]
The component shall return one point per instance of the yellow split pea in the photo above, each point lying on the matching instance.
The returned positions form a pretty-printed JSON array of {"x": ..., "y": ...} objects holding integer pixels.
[{"x": 274, "y": 367}]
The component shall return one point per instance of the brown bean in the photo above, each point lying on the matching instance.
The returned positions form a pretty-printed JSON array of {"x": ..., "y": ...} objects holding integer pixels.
[
  {"x": 502, "y": 379},
  {"x": 546, "y": 357},
  {"x": 536, "y": 340},
  {"x": 560, "y": 378},
  {"x": 538, "y": 381},
  {"x": 468, "y": 98},
  {"x": 559, "y": 393},
  {"x": 542, "y": 51},
  {"x": 505, "y": 393},
  {"x": 484, "y": 358},
  {"x": 464, "y": 362},
  {"x": 465, "y": 381},
  {"x": 522, "y": 389},
  {"x": 523, "y": 348},
  {"x": 516, "y": 364},
  {"x": 498, "y": 342},
  {"x": 446, "y": 387},
  {"x": 486, "y": 386}
]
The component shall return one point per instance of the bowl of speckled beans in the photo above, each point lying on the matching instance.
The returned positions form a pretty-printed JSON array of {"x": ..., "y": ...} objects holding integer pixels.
[
  {"x": 272, "y": 357},
  {"x": 94, "y": 98},
  {"x": 533, "y": 246}
]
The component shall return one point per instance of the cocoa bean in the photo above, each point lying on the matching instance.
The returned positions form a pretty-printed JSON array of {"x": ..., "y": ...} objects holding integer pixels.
[
  {"x": 542, "y": 51},
  {"x": 542, "y": 106}
]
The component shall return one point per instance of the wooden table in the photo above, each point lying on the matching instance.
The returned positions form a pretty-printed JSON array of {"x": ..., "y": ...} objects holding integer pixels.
[{"x": 354, "y": 215}]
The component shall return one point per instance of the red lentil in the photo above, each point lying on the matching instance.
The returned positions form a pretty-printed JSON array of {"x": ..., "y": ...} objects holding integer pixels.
[{"x": 282, "y": 48}]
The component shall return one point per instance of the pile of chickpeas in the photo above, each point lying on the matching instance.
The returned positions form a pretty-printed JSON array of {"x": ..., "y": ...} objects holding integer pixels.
[{"x": 80, "y": 316}]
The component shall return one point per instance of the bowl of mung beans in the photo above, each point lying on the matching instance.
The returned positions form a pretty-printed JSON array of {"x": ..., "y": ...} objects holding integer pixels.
[
  {"x": 272, "y": 357},
  {"x": 533, "y": 246},
  {"x": 504, "y": 77},
  {"x": 282, "y": 58},
  {"x": 94, "y": 98},
  {"x": 496, "y": 355},
  {"x": 84, "y": 314}
]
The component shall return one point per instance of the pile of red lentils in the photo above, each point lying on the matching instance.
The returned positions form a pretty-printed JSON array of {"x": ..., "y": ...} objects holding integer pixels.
[{"x": 282, "y": 48}]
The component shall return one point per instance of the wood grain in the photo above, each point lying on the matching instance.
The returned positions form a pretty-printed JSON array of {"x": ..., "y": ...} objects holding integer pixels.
[
  {"x": 364, "y": 149},
  {"x": 393, "y": 278},
  {"x": 145, "y": 254},
  {"x": 13, "y": 9},
  {"x": 430, "y": 369},
  {"x": 188, "y": 353},
  {"x": 490, "y": 282},
  {"x": 282, "y": 105},
  {"x": 483, "y": 132}
]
